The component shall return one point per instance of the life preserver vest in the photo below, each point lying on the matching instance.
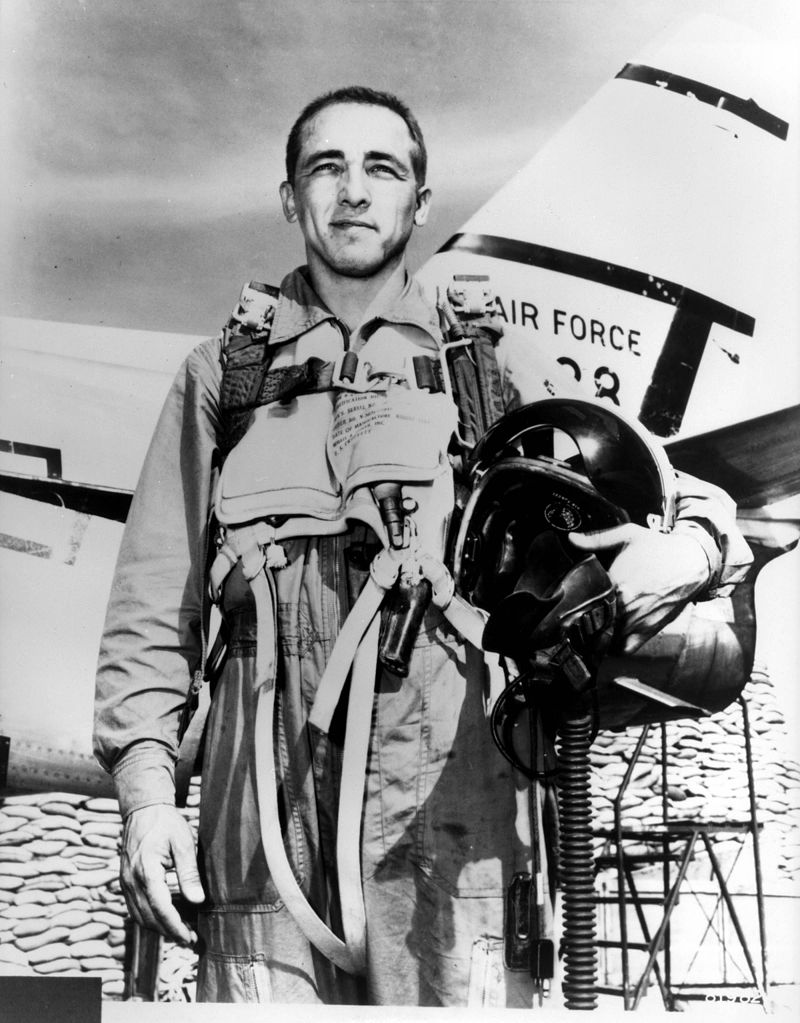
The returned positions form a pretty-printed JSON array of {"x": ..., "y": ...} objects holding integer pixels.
[{"x": 308, "y": 460}]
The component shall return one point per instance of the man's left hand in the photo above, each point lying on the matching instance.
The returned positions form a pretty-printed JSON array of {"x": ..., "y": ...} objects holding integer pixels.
[{"x": 656, "y": 575}]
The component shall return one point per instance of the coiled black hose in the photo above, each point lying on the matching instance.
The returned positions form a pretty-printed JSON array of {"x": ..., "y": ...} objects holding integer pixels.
[{"x": 576, "y": 865}]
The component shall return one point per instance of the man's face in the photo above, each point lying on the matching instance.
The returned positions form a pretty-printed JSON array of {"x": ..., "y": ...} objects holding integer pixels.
[{"x": 354, "y": 195}]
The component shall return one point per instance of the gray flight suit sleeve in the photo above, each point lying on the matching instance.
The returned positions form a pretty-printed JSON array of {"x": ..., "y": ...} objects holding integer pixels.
[{"x": 152, "y": 641}]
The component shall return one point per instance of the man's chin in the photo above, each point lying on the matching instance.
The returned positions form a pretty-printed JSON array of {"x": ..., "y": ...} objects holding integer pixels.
[
  {"x": 363, "y": 259},
  {"x": 360, "y": 272},
  {"x": 363, "y": 262},
  {"x": 360, "y": 268}
]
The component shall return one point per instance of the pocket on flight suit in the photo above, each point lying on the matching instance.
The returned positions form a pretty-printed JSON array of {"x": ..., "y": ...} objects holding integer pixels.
[{"x": 229, "y": 978}]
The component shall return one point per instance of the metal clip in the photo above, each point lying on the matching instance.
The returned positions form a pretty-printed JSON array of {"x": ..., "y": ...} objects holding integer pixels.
[
  {"x": 470, "y": 294},
  {"x": 526, "y": 946},
  {"x": 256, "y": 308}
]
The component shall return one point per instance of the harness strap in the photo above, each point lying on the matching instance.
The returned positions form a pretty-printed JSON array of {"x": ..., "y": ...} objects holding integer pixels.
[
  {"x": 420, "y": 372},
  {"x": 246, "y": 357},
  {"x": 284, "y": 383},
  {"x": 349, "y": 372},
  {"x": 195, "y": 714},
  {"x": 253, "y": 543},
  {"x": 351, "y": 794},
  {"x": 469, "y": 320},
  {"x": 348, "y": 955},
  {"x": 467, "y": 620},
  {"x": 382, "y": 573},
  {"x": 464, "y": 617}
]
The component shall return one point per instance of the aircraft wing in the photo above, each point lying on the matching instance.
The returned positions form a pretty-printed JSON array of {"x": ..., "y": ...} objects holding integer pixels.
[
  {"x": 56, "y": 566},
  {"x": 756, "y": 461},
  {"x": 79, "y": 403},
  {"x": 78, "y": 407}
]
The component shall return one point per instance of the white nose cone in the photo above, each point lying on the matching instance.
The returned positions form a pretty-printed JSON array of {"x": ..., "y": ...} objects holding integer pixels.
[{"x": 650, "y": 250}]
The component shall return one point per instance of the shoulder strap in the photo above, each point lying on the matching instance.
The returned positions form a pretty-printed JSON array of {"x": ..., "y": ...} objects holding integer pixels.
[
  {"x": 245, "y": 362},
  {"x": 246, "y": 358},
  {"x": 472, "y": 330},
  {"x": 470, "y": 325}
]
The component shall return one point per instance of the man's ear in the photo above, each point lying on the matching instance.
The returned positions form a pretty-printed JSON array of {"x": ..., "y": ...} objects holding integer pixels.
[
  {"x": 423, "y": 206},
  {"x": 287, "y": 201}
]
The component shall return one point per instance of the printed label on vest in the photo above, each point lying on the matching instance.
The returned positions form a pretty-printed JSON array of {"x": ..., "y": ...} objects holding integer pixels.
[
  {"x": 362, "y": 414},
  {"x": 397, "y": 435}
]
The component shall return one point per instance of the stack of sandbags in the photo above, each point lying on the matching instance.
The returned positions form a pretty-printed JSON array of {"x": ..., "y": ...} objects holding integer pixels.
[
  {"x": 777, "y": 777},
  {"x": 61, "y": 908},
  {"x": 62, "y": 911},
  {"x": 707, "y": 781}
]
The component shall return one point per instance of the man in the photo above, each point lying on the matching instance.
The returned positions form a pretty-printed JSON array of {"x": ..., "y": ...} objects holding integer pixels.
[{"x": 439, "y": 842}]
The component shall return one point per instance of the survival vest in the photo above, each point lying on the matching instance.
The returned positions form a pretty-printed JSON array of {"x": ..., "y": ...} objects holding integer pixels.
[{"x": 366, "y": 423}]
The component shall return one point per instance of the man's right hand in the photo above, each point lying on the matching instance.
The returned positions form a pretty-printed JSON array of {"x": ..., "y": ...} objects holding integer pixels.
[{"x": 156, "y": 838}]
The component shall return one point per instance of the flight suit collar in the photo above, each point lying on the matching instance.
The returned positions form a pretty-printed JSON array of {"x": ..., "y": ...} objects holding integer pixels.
[{"x": 300, "y": 308}]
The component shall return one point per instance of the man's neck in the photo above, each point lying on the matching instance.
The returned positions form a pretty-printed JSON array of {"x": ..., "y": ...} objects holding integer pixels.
[{"x": 349, "y": 298}]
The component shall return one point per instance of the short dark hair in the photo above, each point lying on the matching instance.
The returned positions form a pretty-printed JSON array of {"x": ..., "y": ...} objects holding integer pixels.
[{"x": 366, "y": 97}]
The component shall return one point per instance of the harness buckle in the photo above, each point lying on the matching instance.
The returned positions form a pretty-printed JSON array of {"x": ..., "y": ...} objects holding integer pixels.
[
  {"x": 353, "y": 374},
  {"x": 471, "y": 295},
  {"x": 256, "y": 306}
]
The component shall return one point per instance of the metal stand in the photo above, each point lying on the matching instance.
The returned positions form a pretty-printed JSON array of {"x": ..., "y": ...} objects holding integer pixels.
[{"x": 677, "y": 840}]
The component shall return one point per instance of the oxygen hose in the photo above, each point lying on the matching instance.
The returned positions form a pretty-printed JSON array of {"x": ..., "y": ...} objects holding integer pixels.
[{"x": 576, "y": 864}]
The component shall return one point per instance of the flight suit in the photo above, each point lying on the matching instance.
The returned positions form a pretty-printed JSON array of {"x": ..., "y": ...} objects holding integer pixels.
[{"x": 441, "y": 837}]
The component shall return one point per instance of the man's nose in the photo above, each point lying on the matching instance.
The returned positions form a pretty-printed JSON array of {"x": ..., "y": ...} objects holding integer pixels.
[{"x": 354, "y": 190}]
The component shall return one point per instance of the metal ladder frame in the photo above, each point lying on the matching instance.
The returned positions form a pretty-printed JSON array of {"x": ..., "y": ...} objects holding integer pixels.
[{"x": 670, "y": 833}]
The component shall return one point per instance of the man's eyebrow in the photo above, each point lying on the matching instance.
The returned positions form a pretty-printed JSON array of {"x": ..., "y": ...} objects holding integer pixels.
[
  {"x": 375, "y": 154},
  {"x": 323, "y": 154}
]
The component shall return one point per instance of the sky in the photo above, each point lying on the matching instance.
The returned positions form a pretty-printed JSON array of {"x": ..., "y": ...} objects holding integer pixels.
[{"x": 143, "y": 141}]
